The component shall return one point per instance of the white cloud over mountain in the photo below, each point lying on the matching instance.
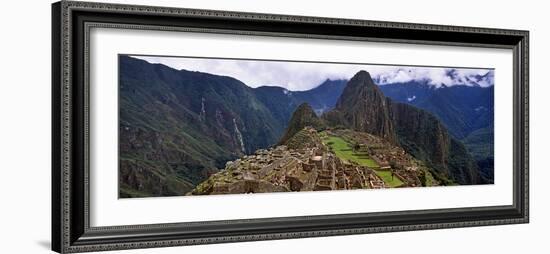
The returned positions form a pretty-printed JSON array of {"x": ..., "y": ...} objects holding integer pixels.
[{"x": 297, "y": 76}]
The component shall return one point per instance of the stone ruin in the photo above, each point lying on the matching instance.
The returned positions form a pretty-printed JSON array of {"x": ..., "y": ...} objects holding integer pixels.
[
  {"x": 309, "y": 168},
  {"x": 279, "y": 170}
]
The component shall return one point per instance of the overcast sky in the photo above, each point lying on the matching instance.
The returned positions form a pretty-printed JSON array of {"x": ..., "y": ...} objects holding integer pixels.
[{"x": 298, "y": 76}]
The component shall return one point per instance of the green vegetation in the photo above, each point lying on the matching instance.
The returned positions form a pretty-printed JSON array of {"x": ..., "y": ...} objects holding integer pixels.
[
  {"x": 126, "y": 191},
  {"x": 426, "y": 178},
  {"x": 480, "y": 143},
  {"x": 343, "y": 150},
  {"x": 386, "y": 176}
]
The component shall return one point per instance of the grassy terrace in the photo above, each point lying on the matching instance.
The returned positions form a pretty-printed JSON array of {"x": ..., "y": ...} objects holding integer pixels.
[
  {"x": 344, "y": 151},
  {"x": 387, "y": 178}
]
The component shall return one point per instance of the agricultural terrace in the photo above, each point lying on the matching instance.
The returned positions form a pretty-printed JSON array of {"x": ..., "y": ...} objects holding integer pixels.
[{"x": 345, "y": 151}]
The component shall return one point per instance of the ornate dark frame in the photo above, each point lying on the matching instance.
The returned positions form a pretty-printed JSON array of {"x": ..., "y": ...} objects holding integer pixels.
[{"x": 71, "y": 22}]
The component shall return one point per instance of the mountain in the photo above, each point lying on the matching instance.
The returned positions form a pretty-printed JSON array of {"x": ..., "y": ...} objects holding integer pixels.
[
  {"x": 304, "y": 116},
  {"x": 363, "y": 107},
  {"x": 466, "y": 111},
  {"x": 323, "y": 97},
  {"x": 425, "y": 137},
  {"x": 463, "y": 109},
  {"x": 278, "y": 100},
  {"x": 408, "y": 92},
  {"x": 480, "y": 142},
  {"x": 480, "y": 145},
  {"x": 282, "y": 102},
  {"x": 177, "y": 127}
]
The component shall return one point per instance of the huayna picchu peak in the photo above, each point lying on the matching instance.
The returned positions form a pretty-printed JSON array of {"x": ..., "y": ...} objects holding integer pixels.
[{"x": 363, "y": 107}]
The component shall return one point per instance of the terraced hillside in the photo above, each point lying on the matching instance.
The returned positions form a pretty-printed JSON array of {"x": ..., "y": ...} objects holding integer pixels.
[
  {"x": 346, "y": 151},
  {"x": 320, "y": 160}
]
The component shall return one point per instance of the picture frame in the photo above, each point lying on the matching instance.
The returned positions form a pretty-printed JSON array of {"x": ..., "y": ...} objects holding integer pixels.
[{"x": 71, "y": 196}]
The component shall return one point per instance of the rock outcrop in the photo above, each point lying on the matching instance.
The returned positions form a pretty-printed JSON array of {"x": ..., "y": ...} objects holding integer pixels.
[
  {"x": 304, "y": 116},
  {"x": 363, "y": 107}
]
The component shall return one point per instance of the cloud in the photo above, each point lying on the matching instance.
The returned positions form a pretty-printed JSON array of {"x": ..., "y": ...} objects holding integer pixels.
[
  {"x": 299, "y": 76},
  {"x": 436, "y": 76}
]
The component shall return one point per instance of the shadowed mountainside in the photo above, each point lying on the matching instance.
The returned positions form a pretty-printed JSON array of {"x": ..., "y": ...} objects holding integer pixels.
[{"x": 177, "y": 127}]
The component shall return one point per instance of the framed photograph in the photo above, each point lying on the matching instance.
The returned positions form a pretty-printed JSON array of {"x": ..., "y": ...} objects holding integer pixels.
[{"x": 181, "y": 126}]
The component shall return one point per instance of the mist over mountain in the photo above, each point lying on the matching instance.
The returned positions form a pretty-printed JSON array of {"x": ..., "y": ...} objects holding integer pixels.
[
  {"x": 437, "y": 77},
  {"x": 256, "y": 73}
]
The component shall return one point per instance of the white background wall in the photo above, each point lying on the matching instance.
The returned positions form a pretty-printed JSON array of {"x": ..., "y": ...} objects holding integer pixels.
[{"x": 25, "y": 126}]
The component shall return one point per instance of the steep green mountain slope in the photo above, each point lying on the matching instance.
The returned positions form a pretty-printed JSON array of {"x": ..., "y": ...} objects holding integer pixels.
[
  {"x": 477, "y": 142},
  {"x": 466, "y": 111},
  {"x": 425, "y": 137},
  {"x": 177, "y": 127}
]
